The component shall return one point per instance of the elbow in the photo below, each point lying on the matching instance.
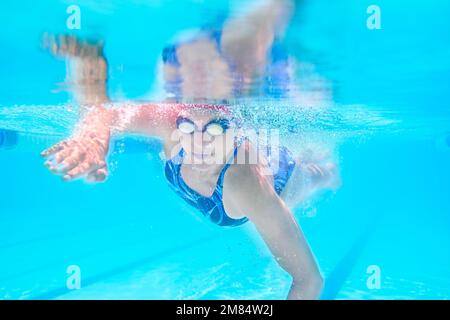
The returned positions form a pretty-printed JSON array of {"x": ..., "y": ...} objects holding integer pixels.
[
  {"x": 319, "y": 282},
  {"x": 315, "y": 282},
  {"x": 311, "y": 287}
]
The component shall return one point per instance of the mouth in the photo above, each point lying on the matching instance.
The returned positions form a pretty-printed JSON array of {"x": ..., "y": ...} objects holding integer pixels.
[
  {"x": 200, "y": 155},
  {"x": 202, "y": 152}
]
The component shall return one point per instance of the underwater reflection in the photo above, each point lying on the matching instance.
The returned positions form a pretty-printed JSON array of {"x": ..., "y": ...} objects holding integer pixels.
[{"x": 221, "y": 62}]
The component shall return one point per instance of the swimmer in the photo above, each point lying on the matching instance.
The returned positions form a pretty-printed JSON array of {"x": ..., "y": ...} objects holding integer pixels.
[{"x": 204, "y": 144}]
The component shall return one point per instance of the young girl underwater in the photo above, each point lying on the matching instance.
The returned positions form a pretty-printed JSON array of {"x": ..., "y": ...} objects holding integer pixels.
[{"x": 210, "y": 161}]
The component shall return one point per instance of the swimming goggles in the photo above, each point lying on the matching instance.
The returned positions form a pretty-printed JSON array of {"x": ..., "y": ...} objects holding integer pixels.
[{"x": 215, "y": 127}]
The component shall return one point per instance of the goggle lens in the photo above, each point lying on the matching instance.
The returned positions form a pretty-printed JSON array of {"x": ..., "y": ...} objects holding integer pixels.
[
  {"x": 214, "y": 128},
  {"x": 186, "y": 127}
]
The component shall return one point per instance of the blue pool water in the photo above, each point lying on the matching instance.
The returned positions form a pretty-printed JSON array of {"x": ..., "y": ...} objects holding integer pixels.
[{"x": 380, "y": 100}]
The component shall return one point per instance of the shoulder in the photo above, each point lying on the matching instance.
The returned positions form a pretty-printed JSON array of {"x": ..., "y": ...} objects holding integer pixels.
[{"x": 249, "y": 174}]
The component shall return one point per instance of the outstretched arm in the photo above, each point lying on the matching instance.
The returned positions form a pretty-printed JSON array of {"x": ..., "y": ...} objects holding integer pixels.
[
  {"x": 85, "y": 152},
  {"x": 253, "y": 195}
]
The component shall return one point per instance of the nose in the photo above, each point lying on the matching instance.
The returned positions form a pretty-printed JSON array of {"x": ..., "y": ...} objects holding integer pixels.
[
  {"x": 200, "y": 141},
  {"x": 198, "y": 138}
]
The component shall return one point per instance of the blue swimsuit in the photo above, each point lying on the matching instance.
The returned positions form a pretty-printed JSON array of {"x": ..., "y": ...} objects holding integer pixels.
[{"x": 212, "y": 207}]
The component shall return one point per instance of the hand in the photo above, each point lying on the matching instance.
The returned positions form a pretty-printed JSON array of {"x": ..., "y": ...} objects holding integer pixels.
[
  {"x": 78, "y": 157},
  {"x": 323, "y": 175},
  {"x": 71, "y": 46}
]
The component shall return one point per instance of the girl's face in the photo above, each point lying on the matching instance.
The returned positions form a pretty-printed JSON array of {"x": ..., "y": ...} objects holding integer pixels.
[{"x": 206, "y": 136}]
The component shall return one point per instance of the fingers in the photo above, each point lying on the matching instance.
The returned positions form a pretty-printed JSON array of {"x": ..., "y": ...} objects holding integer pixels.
[
  {"x": 98, "y": 175},
  {"x": 65, "y": 153},
  {"x": 73, "y": 159},
  {"x": 65, "y": 159},
  {"x": 324, "y": 175},
  {"x": 71, "y": 46},
  {"x": 62, "y": 45},
  {"x": 52, "y": 150},
  {"x": 70, "y": 162},
  {"x": 83, "y": 169},
  {"x": 56, "y": 45},
  {"x": 65, "y": 45},
  {"x": 315, "y": 170},
  {"x": 78, "y": 171}
]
